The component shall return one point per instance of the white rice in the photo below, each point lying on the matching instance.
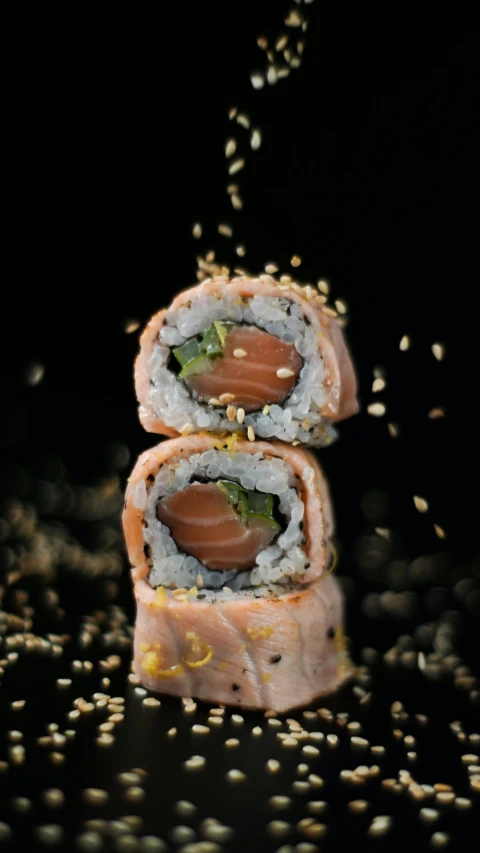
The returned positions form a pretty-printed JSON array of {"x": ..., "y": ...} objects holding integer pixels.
[
  {"x": 298, "y": 418},
  {"x": 276, "y": 565}
]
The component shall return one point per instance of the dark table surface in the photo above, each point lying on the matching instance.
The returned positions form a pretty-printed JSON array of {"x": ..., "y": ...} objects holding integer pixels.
[{"x": 116, "y": 127}]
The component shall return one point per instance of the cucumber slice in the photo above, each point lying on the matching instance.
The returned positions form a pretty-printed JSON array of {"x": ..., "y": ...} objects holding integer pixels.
[
  {"x": 250, "y": 504},
  {"x": 222, "y": 330},
  {"x": 189, "y": 351},
  {"x": 197, "y": 365},
  {"x": 261, "y": 503},
  {"x": 211, "y": 344}
]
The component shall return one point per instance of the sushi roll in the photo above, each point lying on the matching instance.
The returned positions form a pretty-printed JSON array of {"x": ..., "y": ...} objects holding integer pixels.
[
  {"x": 230, "y": 543},
  {"x": 246, "y": 355}
]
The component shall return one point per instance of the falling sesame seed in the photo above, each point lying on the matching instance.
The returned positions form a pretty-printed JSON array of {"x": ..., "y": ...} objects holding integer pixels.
[
  {"x": 316, "y": 781},
  {"x": 271, "y": 269},
  {"x": 341, "y": 306},
  {"x": 131, "y": 326},
  {"x": 294, "y": 19},
  {"x": 215, "y": 721},
  {"x": 134, "y": 794},
  {"x": 429, "y": 815},
  {"x": 300, "y": 787},
  {"x": 257, "y": 731},
  {"x": 53, "y": 798},
  {"x": 380, "y": 826},
  {"x": 439, "y": 840},
  {"x": 280, "y": 802},
  {"x": 436, "y": 414},
  {"x": 404, "y": 343},
  {"x": 295, "y": 261},
  {"x": 438, "y": 351},
  {"x": 393, "y": 430},
  {"x": 255, "y": 140},
  {"x": 232, "y": 742},
  {"x": 284, "y": 373},
  {"x": 272, "y": 75},
  {"x": 18, "y": 705},
  {"x": 49, "y": 834},
  {"x": 105, "y": 740},
  {"x": 236, "y": 166},
  {"x": 230, "y": 147},
  {"x": 95, "y": 796},
  {"x": 420, "y": 503},
  {"x": 310, "y": 750},
  {"x": 358, "y": 806},
  {"x": 376, "y": 409},
  {"x": 243, "y": 120},
  {"x": 196, "y": 762},
  {"x": 378, "y": 385},
  {"x": 235, "y": 776},
  {"x": 463, "y": 803},
  {"x": 257, "y": 80},
  {"x": 439, "y": 531},
  {"x": 250, "y": 434},
  {"x": 332, "y": 740}
]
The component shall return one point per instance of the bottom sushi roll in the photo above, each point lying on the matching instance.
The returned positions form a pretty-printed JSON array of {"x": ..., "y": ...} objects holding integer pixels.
[
  {"x": 257, "y": 653},
  {"x": 230, "y": 541}
]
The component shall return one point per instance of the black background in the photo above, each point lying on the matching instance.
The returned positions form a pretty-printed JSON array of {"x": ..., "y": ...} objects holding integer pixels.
[{"x": 116, "y": 124}]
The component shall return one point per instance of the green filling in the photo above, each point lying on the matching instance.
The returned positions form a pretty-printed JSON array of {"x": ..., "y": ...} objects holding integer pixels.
[
  {"x": 195, "y": 356},
  {"x": 250, "y": 504}
]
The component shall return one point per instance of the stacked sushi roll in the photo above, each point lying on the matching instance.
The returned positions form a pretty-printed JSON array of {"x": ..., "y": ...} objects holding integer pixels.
[{"x": 229, "y": 523}]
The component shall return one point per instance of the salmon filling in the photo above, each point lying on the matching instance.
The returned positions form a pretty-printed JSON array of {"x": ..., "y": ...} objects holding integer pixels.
[
  {"x": 205, "y": 522},
  {"x": 255, "y": 369}
]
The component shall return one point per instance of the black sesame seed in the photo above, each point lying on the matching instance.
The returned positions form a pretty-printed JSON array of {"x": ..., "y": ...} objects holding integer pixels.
[
  {"x": 235, "y": 687},
  {"x": 275, "y": 659},
  {"x": 202, "y": 595},
  {"x": 331, "y": 633}
]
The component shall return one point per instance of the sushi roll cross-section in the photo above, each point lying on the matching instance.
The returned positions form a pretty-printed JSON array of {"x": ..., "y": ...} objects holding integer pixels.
[
  {"x": 230, "y": 541},
  {"x": 246, "y": 355}
]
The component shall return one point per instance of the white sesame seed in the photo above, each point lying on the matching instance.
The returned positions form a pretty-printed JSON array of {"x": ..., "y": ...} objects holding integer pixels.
[
  {"x": 429, "y": 815},
  {"x": 243, "y": 120},
  {"x": 255, "y": 140},
  {"x": 439, "y": 840},
  {"x": 295, "y": 261},
  {"x": 404, "y": 343},
  {"x": 197, "y": 230},
  {"x": 435, "y": 414},
  {"x": 250, "y": 434},
  {"x": 284, "y": 373},
  {"x": 438, "y": 351},
  {"x": 95, "y": 796},
  {"x": 187, "y": 429},
  {"x": 18, "y": 705},
  {"x": 378, "y": 385},
  {"x": 239, "y": 353},
  {"x": 240, "y": 415},
  {"x": 257, "y": 80},
  {"x": 393, "y": 430},
  {"x": 235, "y": 776},
  {"x": 310, "y": 750},
  {"x": 341, "y": 306},
  {"x": 231, "y": 412},
  {"x": 236, "y": 166},
  {"x": 232, "y": 742},
  {"x": 376, "y": 409},
  {"x": 257, "y": 731},
  {"x": 420, "y": 503},
  {"x": 439, "y": 531},
  {"x": 230, "y": 147},
  {"x": 196, "y": 762}
]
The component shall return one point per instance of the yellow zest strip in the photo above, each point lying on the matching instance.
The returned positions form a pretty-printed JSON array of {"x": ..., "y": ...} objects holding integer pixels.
[
  {"x": 260, "y": 633},
  {"x": 196, "y": 646},
  {"x": 227, "y": 445},
  {"x": 160, "y": 597},
  {"x": 151, "y": 665}
]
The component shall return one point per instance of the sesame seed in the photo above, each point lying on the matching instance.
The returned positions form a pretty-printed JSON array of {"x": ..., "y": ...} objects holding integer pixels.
[
  {"x": 404, "y": 343},
  {"x": 429, "y": 815},
  {"x": 237, "y": 204},
  {"x": 232, "y": 742},
  {"x": 95, "y": 796},
  {"x": 235, "y": 776},
  {"x": 439, "y": 840},
  {"x": 250, "y": 433},
  {"x": 310, "y": 750},
  {"x": 49, "y": 834},
  {"x": 18, "y": 705},
  {"x": 237, "y": 719},
  {"x": 230, "y": 147},
  {"x": 239, "y": 353},
  {"x": 358, "y": 806},
  {"x": 378, "y": 385},
  {"x": 435, "y": 414},
  {"x": 280, "y": 802},
  {"x": 316, "y": 781},
  {"x": 184, "y": 808},
  {"x": 243, "y": 120},
  {"x": 196, "y": 762},
  {"x": 240, "y": 415},
  {"x": 231, "y": 412},
  {"x": 236, "y": 166},
  {"x": 134, "y": 794},
  {"x": 257, "y": 80},
  {"x": 200, "y": 730},
  {"x": 393, "y": 430},
  {"x": 380, "y": 826},
  {"x": 332, "y": 740},
  {"x": 341, "y": 306},
  {"x": 64, "y": 682},
  {"x": 182, "y": 834},
  {"x": 255, "y": 140},
  {"x": 376, "y": 409},
  {"x": 438, "y": 351},
  {"x": 439, "y": 531},
  {"x": 187, "y": 429},
  {"x": 284, "y": 373},
  {"x": 300, "y": 787},
  {"x": 128, "y": 779},
  {"x": 420, "y": 503},
  {"x": 257, "y": 731}
]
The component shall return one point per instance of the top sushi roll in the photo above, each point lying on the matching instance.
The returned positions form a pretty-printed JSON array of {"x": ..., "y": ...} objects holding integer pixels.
[{"x": 246, "y": 355}]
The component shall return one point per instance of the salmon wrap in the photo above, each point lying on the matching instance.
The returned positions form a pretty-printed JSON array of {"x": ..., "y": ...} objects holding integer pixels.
[
  {"x": 230, "y": 541},
  {"x": 246, "y": 355}
]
